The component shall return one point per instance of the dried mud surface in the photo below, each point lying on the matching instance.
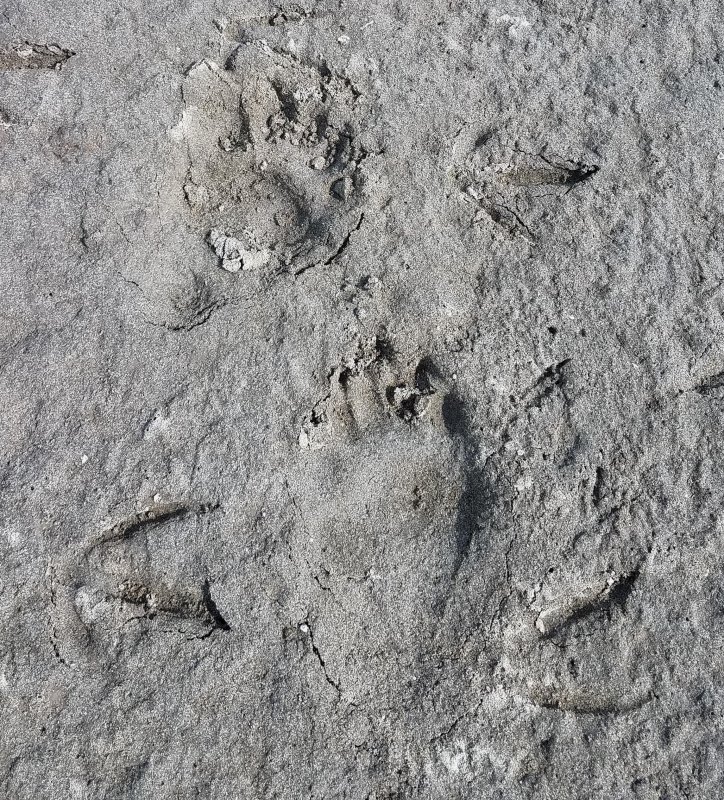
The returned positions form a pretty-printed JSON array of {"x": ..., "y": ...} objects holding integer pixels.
[{"x": 362, "y": 400}]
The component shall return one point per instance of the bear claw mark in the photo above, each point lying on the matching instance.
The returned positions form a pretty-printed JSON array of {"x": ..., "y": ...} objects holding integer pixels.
[
  {"x": 154, "y": 515},
  {"x": 34, "y": 56},
  {"x": 69, "y": 630},
  {"x": 569, "y": 608},
  {"x": 514, "y": 187},
  {"x": 713, "y": 386},
  {"x": 189, "y": 604},
  {"x": 582, "y": 701},
  {"x": 550, "y": 175}
]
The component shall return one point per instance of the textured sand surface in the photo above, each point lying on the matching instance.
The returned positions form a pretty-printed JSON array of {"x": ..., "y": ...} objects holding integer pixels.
[{"x": 362, "y": 386}]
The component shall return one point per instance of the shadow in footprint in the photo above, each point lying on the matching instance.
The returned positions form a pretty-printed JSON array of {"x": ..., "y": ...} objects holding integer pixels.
[{"x": 478, "y": 495}]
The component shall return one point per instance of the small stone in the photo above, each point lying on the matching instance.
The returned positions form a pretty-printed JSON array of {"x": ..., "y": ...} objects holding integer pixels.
[{"x": 235, "y": 254}]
